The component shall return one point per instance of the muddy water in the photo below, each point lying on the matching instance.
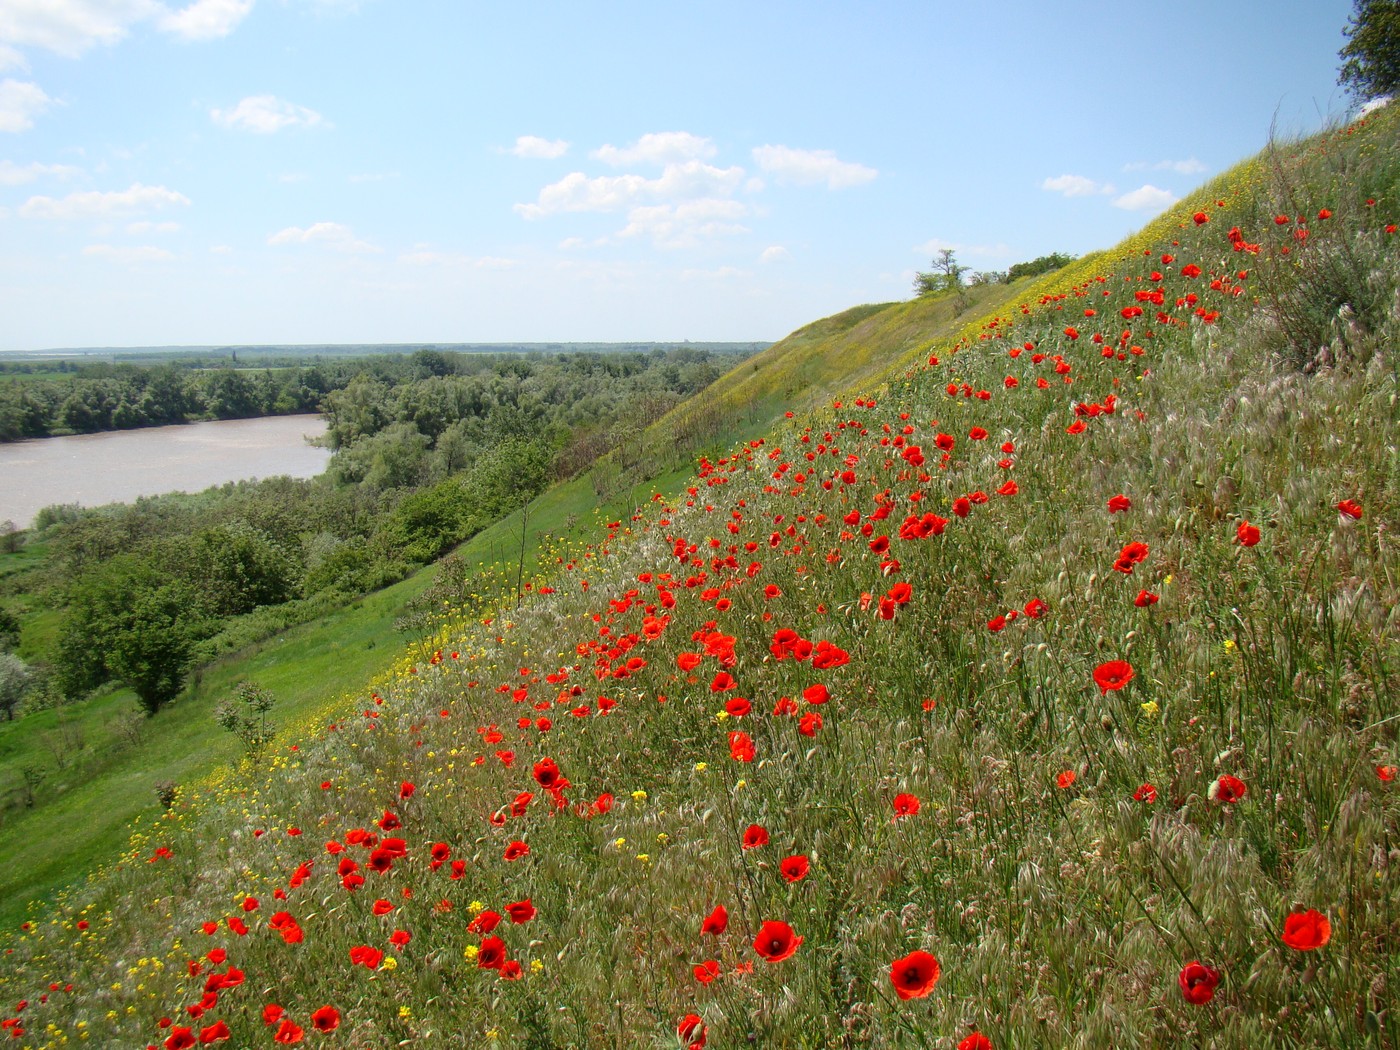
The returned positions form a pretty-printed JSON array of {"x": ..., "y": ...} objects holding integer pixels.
[{"x": 92, "y": 469}]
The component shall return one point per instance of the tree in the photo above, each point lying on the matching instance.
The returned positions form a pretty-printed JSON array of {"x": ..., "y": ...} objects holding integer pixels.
[
  {"x": 1372, "y": 53},
  {"x": 15, "y": 680},
  {"x": 946, "y": 275},
  {"x": 1038, "y": 266},
  {"x": 151, "y": 649},
  {"x": 130, "y": 620}
]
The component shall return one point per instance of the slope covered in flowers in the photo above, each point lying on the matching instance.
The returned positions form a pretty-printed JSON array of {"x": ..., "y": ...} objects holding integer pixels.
[{"x": 1043, "y": 696}]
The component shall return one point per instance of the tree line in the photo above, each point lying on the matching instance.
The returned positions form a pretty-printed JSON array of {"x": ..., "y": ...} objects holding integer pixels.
[{"x": 429, "y": 449}]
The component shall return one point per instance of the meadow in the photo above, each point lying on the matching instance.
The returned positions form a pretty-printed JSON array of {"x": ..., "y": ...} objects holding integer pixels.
[{"x": 1038, "y": 692}]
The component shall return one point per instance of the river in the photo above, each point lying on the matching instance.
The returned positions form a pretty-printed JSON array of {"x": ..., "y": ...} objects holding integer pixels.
[{"x": 118, "y": 466}]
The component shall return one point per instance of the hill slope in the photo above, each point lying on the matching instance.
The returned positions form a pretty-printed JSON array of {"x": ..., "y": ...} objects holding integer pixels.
[{"x": 1067, "y": 660}]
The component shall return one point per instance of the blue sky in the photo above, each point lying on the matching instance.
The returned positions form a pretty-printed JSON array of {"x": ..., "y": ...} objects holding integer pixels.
[{"x": 296, "y": 171}]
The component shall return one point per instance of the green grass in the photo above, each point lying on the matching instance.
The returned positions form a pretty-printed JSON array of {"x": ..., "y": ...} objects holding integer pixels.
[
  {"x": 1078, "y": 848},
  {"x": 84, "y": 810}
]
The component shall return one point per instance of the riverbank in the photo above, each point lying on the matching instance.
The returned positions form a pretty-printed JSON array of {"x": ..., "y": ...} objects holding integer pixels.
[{"x": 124, "y": 465}]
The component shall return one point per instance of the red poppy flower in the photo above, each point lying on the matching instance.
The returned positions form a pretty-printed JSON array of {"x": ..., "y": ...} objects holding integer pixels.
[
  {"x": 1350, "y": 508},
  {"x": 491, "y": 954},
  {"x": 516, "y": 850},
  {"x": 547, "y": 773},
  {"x": 1247, "y": 534},
  {"x": 511, "y": 970},
  {"x": 755, "y": 835},
  {"x": 1135, "y": 552},
  {"x": 1386, "y": 773},
  {"x": 364, "y": 955},
  {"x": 1307, "y": 930},
  {"x": 1119, "y": 503},
  {"x": 776, "y": 941},
  {"x": 723, "y": 682},
  {"x": 326, "y": 1019},
  {"x": 707, "y": 971},
  {"x": 1144, "y": 599},
  {"x": 1114, "y": 674},
  {"x": 905, "y": 805},
  {"x": 215, "y": 1033},
  {"x": 288, "y": 1032},
  {"x": 914, "y": 975},
  {"x": 809, "y": 723},
  {"x": 741, "y": 747},
  {"x": 1146, "y": 793},
  {"x": 1065, "y": 779},
  {"x": 1198, "y": 982},
  {"x": 737, "y": 707},
  {"x": 180, "y": 1038},
  {"x": 521, "y": 911},
  {"x": 691, "y": 1032},
  {"x": 976, "y": 1041},
  {"x": 485, "y": 922},
  {"x": 816, "y": 694},
  {"x": 1200, "y": 218},
  {"x": 795, "y": 868},
  {"x": 1227, "y": 789},
  {"x": 717, "y": 921},
  {"x": 1035, "y": 608}
]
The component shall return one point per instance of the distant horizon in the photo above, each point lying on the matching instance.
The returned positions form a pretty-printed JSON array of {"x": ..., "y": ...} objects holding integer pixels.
[
  {"x": 339, "y": 171},
  {"x": 411, "y": 344}
]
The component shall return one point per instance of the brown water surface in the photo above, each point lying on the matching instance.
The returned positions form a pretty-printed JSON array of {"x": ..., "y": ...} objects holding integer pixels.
[{"x": 119, "y": 466}]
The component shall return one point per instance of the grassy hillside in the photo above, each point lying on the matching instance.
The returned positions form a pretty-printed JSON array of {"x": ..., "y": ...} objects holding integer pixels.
[{"x": 1036, "y": 691}]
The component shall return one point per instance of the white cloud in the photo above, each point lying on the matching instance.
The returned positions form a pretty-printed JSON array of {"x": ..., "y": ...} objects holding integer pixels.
[
  {"x": 138, "y": 228},
  {"x": 577, "y": 192},
  {"x": 532, "y": 147},
  {"x": 93, "y": 204},
  {"x": 11, "y": 59},
  {"x": 265, "y": 114},
  {"x": 20, "y": 102},
  {"x": 774, "y": 254},
  {"x": 683, "y": 225},
  {"x": 12, "y": 174},
  {"x": 373, "y": 176},
  {"x": 1189, "y": 166},
  {"x": 422, "y": 255},
  {"x": 331, "y": 234},
  {"x": 293, "y": 176},
  {"x": 70, "y": 27},
  {"x": 220, "y": 249},
  {"x": 661, "y": 147},
  {"x": 568, "y": 244},
  {"x": 1077, "y": 186},
  {"x": 807, "y": 167},
  {"x": 205, "y": 19},
  {"x": 1146, "y": 198},
  {"x": 128, "y": 254}
]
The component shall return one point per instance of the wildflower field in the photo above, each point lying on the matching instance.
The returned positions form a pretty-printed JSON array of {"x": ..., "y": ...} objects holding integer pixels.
[{"x": 1044, "y": 695}]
